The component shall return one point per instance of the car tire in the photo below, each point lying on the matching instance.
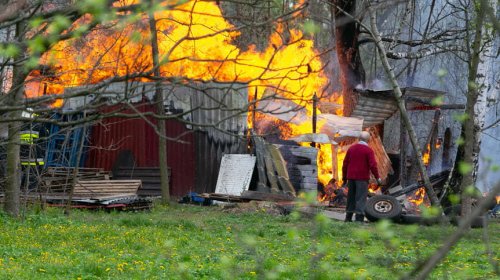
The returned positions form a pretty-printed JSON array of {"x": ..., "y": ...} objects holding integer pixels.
[{"x": 383, "y": 207}]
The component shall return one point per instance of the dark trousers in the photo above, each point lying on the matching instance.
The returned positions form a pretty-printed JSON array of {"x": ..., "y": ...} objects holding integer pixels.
[{"x": 356, "y": 197}]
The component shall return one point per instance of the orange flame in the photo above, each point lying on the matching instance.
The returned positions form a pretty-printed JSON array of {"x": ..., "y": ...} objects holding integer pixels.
[
  {"x": 195, "y": 42},
  {"x": 427, "y": 155},
  {"x": 419, "y": 197},
  {"x": 498, "y": 199},
  {"x": 196, "y": 45}
]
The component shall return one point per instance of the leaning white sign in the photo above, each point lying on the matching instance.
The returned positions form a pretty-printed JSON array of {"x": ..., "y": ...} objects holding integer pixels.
[{"x": 235, "y": 174}]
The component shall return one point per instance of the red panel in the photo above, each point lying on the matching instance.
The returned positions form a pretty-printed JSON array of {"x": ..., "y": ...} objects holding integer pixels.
[
  {"x": 113, "y": 135},
  {"x": 181, "y": 158}
]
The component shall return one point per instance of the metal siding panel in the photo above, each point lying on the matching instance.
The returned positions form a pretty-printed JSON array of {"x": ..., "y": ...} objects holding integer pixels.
[
  {"x": 139, "y": 137},
  {"x": 181, "y": 158}
]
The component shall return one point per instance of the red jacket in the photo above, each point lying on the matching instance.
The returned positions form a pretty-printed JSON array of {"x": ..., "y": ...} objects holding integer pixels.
[{"x": 358, "y": 163}]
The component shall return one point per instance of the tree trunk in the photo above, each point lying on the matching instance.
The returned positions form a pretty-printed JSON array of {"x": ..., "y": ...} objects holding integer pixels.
[
  {"x": 13, "y": 162},
  {"x": 475, "y": 107},
  {"x": 346, "y": 37},
  {"x": 159, "y": 98},
  {"x": 401, "y": 105}
]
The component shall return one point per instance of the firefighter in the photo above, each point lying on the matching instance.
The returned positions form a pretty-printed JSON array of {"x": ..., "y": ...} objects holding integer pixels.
[{"x": 358, "y": 163}]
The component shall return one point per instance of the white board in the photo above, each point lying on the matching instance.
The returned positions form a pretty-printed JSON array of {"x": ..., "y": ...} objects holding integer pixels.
[{"x": 235, "y": 174}]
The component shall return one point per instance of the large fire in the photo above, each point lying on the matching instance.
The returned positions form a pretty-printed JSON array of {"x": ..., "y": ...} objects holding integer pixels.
[{"x": 195, "y": 43}]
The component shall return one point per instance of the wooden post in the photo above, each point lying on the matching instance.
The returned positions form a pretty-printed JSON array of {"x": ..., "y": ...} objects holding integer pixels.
[{"x": 160, "y": 107}]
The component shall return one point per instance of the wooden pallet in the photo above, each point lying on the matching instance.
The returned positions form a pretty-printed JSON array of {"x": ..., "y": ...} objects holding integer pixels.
[
  {"x": 105, "y": 189},
  {"x": 59, "y": 179}
]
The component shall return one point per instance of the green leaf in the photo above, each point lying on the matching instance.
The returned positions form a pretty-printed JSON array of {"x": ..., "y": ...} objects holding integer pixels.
[
  {"x": 36, "y": 22},
  {"x": 164, "y": 59},
  {"x": 310, "y": 197},
  {"x": 495, "y": 168},
  {"x": 471, "y": 190},
  {"x": 384, "y": 228},
  {"x": 10, "y": 50},
  {"x": 411, "y": 229},
  {"x": 472, "y": 85},
  {"x": 461, "y": 117},
  {"x": 430, "y": 212},
  {"x": 362, "y": 234},
  {"x": 438, "y": 101},
  {"x": 37, "y": 44},
  {"x": 460, "y": 141},
  {"x": 454, "y": 199},
  {"x": 442, "y": 72},
  {"x": 32, "y": 62},
  {"x": 94, "y": 7},
  {"x": 310, "y": 28},
  {"x": 59, "y": 24},
  {"x": 136, "y": 36},
  {"x": 80, "y": 30},
  {"x": 464, "y": 167}
]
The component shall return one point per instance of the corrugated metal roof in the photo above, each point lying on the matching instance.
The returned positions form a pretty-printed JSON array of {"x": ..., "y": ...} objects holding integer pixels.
[{"x": 374, "y": 107}]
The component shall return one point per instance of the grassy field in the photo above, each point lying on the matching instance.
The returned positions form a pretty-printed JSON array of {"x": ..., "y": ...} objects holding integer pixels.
[{"x": 193, "y": 242}]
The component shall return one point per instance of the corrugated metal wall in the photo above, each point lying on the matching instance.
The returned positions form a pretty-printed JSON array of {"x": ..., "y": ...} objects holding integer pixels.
[
  {"x": 113, "y": 135},
  {"x": 220, "y": 109},
  {"x": 219, "y": 124}
]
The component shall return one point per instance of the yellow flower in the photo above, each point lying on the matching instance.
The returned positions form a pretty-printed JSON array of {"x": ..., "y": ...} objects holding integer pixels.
[{"x": 253, "y": 273}]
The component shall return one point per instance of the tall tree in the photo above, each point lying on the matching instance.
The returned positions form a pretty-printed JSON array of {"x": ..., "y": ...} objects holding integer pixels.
[
  {"x": 159, "y": 99},
  {"x": 479, "y": 43}
]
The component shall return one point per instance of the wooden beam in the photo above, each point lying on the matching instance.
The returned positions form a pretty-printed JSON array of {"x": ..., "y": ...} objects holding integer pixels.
[
  {"x": 262, "y": 185},
  {"x": 280, "y": 167}
]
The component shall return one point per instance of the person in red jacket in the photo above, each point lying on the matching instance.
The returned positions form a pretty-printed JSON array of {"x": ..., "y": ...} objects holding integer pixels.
[{"x": 358, "y": 163}]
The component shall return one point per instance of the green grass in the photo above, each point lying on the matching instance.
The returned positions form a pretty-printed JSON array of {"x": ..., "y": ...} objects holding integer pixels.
[{"x": 192, "y": 242}]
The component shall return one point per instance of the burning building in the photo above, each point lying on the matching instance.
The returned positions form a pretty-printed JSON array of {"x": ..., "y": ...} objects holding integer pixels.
[{"x": 212, "y": 85}]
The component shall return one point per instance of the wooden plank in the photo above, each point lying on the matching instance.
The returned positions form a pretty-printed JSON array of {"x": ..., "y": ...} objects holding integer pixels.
[
  {"x": 286, "y": 186},
  {"x": 261, "y": 166},
  {"x": 253, "y": 195},
  {"x": 271, "y": 175},
  {"x": 96, "y": 188},
  {"x": 280, "y": 167}
]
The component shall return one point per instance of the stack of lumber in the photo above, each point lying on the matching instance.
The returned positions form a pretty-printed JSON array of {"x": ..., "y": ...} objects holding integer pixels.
[
  {"x": 59, "y": 179},
  {"x": 106, "y": 189},
  {"x": 150, "y": 177},
  {"x": 301, "y": 163}
]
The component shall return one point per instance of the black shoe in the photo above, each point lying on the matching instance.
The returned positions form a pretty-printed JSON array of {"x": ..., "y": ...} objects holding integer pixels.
[
  {"x": 360, "y": 218},
  {"x": 348, "y": 217}
]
